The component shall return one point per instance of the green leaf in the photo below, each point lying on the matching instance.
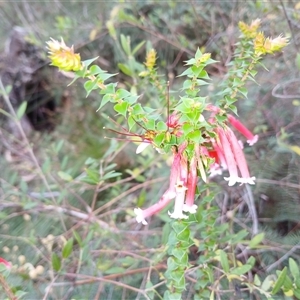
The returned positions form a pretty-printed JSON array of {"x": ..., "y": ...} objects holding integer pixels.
[
  {"x": 238, "y": 237},
  {"x": 161, "y": 126},
  {"x": 256, "y": 240},
  {"x": 89, "y": 86},
  {"x": 106, "y": 98},
  {"x": 86, "y": 63},
  {"x": 137, "y": 109},
  {"x": 297, "y": 293},
  {"x": 288, "y": 283},
  {"x": 125, "y": 69},
  {"x": 267, "y": 283},
  {"x": 138, "y": 47},
  {"x": 21, "y": 110},
  {"x": 121, "y": 108},
  {"x": 198, "y": 54},
  {"x": 67, "y": 249},
  {"x": 173, "y": 296},
  {"x": 122, "y": 93},
  {"x": 224, "y": 261},
  {"x": 95, "y": 70},
  {"x": 241, "y": 270},
  {"x": 280, "y": 281},
  {"x": 65, "y": 176},
  {"x": 256, "y": 281},
  {"x": 243, "y": 91},
  {"x": 125, "y": 42},
  {"x": 131, "y": 122},
  {"x": 111, "y": 174},
  {"x": 294, "y": 268},
  {"x": 56, "y": 263},
  {"x": 187, "y": 128},
  {"x": 195, "y": 136},
  {"x": 78, "y": 238},
  {"x": 150, "y": 124},
  {"x": 251, "y": 261},
  {"x": 93, "y": 175}
]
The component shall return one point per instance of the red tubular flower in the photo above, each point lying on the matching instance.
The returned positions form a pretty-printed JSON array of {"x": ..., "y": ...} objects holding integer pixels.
[
  {"x": 171, "y": 192},
  {"x": 219, "y": 154},
  {"x": 189, "y": 205},
  {"x": 239, "y": 158},
  {"x": 229, "y": 157},
  {"x": 234, "y": 157},
  {"x": 142, "y": 214},
  {"x": 251, "y": 139}
]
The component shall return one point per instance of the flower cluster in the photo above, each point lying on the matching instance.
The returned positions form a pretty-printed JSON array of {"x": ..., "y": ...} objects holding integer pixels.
[
  {"x": 263, "y": 45},
  {"x": 63, "y": 56},
  {"x": 224, "y": 152},
  {"x": 250, "y": 31},
  {"x": 182, "y": 181}
]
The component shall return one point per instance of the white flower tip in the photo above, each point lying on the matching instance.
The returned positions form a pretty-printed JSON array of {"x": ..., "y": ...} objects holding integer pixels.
[
  {"x": 141, "y": 147},
  {"x": 232, "y": 180},
  {"x": 253, "y": 140},
  {"x": 177, "y": 215},
  {"x": 139, "y": 216},
  {"x": 250, "y": 180},
  {"x": 190, "y": 209}
]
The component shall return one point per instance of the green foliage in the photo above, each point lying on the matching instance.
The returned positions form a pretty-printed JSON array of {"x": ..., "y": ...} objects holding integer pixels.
[{"x": 72, "y": 211}]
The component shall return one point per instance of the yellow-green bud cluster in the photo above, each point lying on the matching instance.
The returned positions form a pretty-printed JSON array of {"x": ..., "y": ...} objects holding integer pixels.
[
  {"x": 250, "y": 31},
  {"x": 63, "y": 57},
  {"x": 263, "y": 45},
  {"x": 150, "y": 59},
  {"x": 203, "y": 58}
]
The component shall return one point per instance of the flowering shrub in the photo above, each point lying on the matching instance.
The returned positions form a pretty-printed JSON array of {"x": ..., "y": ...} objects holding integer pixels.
[{"x": 196, "y": 133}]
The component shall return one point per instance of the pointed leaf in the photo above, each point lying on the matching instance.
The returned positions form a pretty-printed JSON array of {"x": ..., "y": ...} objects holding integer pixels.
[
  {"x": 125, "y": 69},
  {"x": 280, "y": 281},
  {"x": 67, "y": 249},
  {"x": 65, "y": 176},
  {"x": 86, "y": 63},
  {"x": 95, "y": 70},
  {"x": 294, "y": 268},
  {"x": 121, "y": 108},
  {"x": 241, "y": 270},
  {"x": 125, "y": 42},
  {"x": 138, "y": 47},
  {"x": 78, "y": 238},
  {"x": 256, "y": 240},
  {"x": 224, "y": 261},
  {"x": 21, "y": 110},
  {"x": 56, "y": 263}
]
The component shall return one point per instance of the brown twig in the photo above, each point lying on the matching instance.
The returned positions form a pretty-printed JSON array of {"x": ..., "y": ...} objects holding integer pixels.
[{"x": 7, "y": 289}]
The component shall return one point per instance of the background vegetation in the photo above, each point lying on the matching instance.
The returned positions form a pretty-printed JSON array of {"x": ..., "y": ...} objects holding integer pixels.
[{"x": 66, "y": 218}]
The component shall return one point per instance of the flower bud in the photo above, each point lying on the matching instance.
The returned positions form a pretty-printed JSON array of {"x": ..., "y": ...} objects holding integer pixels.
[
  {"x": 250, "y": 31},
  {"x": 63, "y": 57},
  {"x": 150, "y": 59}
]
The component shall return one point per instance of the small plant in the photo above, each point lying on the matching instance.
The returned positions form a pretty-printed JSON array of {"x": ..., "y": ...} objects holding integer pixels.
[{"x": 197, "y": 134}]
